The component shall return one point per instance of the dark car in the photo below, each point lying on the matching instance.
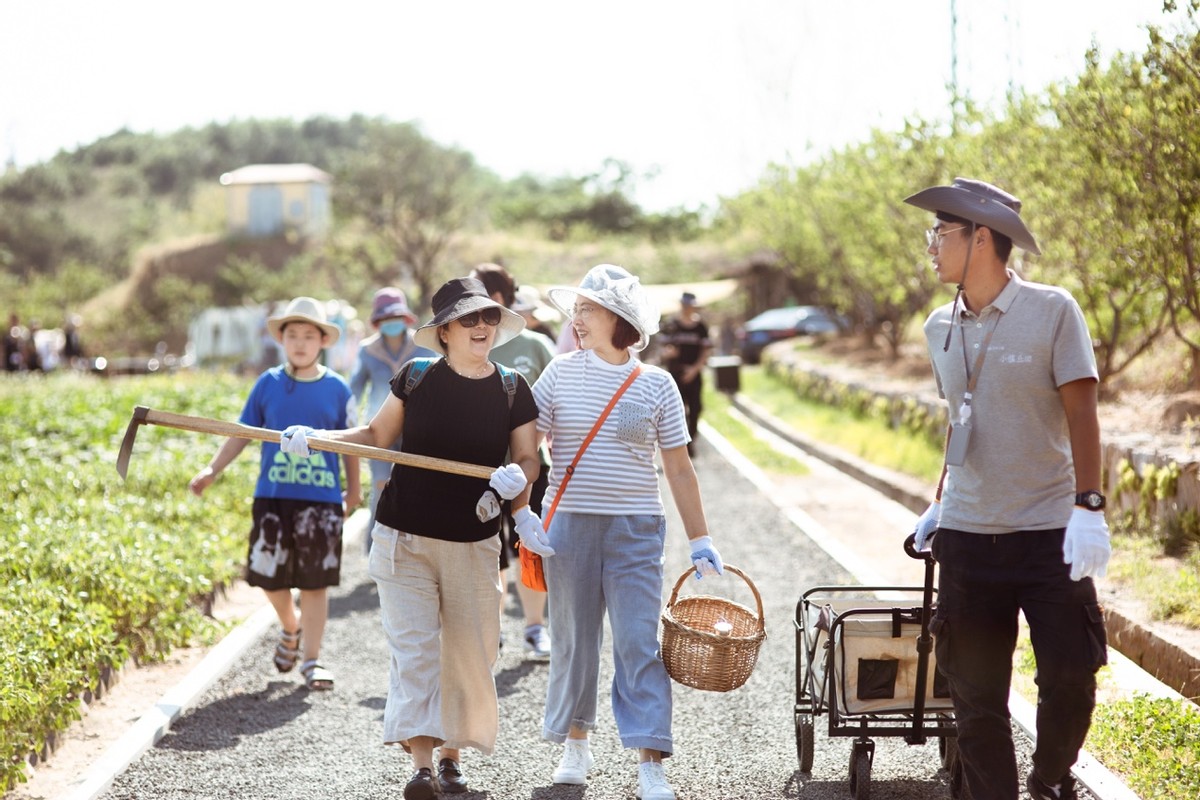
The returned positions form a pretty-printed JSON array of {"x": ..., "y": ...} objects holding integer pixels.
[{"x": 785, "y": 323}]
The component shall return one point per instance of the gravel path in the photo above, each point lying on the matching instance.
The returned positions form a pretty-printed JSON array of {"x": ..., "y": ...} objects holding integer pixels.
[{"x": 257, "y": 734}]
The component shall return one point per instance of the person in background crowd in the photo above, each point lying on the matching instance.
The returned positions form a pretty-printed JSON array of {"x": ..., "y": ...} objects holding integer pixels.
[
  {"x": 609, "y": 530},
  {"x": 31, "y": 356},
  {"x": 72, "y": 347},
  {"x": 299, "y": 507},
  {"x": 528, "y": 353},
  {"x": 1018, "y": 523},
  {"x": 686, "y": 346},
  {"x": 436, "y": 557},
  {"x": 380, "y": 357},
  {"x": 14, "y": 334},
  {"x": 527, "y": 301}
]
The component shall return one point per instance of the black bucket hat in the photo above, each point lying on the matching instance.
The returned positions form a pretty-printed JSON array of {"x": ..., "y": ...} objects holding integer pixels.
[
  {"x": 981, "y": 203},
  {"x": 457, "y": 298}
]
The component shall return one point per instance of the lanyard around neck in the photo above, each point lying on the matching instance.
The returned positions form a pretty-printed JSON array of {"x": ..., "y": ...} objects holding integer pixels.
[{"x": 974, "y": 372}]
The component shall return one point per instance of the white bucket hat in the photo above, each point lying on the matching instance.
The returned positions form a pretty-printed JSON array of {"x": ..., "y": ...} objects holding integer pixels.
[
  {"x": 617, "y": 290},
  {"x": 303, "y": 309}
]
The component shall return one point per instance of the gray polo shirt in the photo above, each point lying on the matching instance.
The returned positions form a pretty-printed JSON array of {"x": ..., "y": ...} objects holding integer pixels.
[{"x": 1018, "y": 473}]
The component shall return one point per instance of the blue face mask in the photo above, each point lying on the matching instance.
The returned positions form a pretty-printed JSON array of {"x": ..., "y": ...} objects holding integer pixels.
[{"x": 393, "y": 327}]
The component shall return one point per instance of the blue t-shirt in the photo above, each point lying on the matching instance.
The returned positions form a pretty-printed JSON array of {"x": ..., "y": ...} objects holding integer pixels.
[{"x": 279, "y": 400}]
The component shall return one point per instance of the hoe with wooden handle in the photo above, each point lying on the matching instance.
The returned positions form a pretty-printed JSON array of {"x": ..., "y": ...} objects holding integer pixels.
[{"x": 148, "y": 416}]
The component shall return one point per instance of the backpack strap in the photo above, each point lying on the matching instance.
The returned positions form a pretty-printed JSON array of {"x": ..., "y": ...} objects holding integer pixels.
[
  {"x": 420, "y": 367},
  {"x": 509, "y": 378},
  {"x": 417, "y": 371}
]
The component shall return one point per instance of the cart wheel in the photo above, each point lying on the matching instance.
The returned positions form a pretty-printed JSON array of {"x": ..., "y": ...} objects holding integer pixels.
[
  {"x": 948, "y": 750},
  {"x": 804, "y": 741},
  {"x": 860, "y": 773}
]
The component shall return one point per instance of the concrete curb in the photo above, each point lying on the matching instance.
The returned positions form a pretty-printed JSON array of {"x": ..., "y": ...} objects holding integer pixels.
[
  {"x": 152, "y": 725},
  {"x": 1098, "y": 779},
  {"x": 157, "y": 720}
]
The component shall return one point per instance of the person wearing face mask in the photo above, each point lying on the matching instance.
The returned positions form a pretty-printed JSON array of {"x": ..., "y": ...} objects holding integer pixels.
[{"x": 380, "y": 357}]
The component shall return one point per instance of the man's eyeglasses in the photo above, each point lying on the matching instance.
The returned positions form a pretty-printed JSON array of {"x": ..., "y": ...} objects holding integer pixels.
[
  {"x": 933, "y": 237},
  {"x": 490, "y": 316}
]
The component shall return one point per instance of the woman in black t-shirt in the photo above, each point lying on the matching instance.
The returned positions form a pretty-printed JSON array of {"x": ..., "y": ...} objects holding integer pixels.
[{"x": 435, "y": 549}]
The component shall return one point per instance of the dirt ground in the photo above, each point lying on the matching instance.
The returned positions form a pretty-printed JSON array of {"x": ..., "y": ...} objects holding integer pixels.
[{"x": 1151, "y": 399}]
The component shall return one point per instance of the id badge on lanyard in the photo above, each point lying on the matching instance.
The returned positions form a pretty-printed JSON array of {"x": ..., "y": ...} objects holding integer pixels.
[{"x": 960, "y": 430}]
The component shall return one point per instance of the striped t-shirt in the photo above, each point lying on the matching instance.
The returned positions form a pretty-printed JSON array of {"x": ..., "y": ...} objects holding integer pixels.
[{"x": 616, "y": 475}]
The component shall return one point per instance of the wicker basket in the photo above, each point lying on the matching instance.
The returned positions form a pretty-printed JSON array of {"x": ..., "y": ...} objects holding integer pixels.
[{"x": 695, "y": 653}]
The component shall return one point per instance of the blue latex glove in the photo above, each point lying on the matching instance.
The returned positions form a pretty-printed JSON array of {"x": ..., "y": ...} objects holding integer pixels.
[
  {"x": 1086, "y": 545},
  {"x": 533, "y": 536},
  {"x": 508, "y": 481},
  {"x": 705, "y": 557},
  {"x": 294, "y": 440},
  {"x": 926, "y": 527}
]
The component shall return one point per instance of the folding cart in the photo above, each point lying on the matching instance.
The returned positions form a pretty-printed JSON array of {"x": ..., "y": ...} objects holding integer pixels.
[{"x": 864, "y": 657}]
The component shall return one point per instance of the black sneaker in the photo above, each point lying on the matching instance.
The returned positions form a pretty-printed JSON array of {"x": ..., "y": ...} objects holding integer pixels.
[
  {"x": 450, "y": 777},
  {"x": 1040, "y": 790},
  {"x": 422, "y": 786}
]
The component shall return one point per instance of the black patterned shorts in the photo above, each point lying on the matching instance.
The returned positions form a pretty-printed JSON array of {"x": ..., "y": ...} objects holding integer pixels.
[{"x": 295, "y": 544}]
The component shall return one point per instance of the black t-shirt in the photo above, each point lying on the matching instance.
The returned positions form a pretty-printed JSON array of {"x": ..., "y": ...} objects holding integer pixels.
[
  {"x": 689, "y": 342},
  {"x": 449, "y": 416}
]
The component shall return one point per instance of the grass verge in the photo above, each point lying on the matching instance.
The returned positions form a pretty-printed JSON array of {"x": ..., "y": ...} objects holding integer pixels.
[{"x": 1152, "y": 743}]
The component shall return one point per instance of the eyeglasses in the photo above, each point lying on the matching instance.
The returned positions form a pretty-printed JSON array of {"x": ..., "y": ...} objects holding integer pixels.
[
  {"x": 584, "y": 311},
  {"x": 490, "y": 316},
  {"x": 933, "y": 238}
]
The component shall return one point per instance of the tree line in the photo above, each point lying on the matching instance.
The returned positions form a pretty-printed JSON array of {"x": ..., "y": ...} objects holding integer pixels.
[
  {"x": 1107, "y": 167},
  {"x": 1107, "y": 164}
]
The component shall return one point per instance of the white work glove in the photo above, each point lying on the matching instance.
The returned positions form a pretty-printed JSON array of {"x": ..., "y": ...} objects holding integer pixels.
[
  {"x": 926, "y": 527},
  {"x": 705, "y": 557},
  {"x": 508, "y": 481},
  {"x": 294, "y": 440},
  {"x": 529, "y": 528},
  {"x": 1086, "y": 546}
]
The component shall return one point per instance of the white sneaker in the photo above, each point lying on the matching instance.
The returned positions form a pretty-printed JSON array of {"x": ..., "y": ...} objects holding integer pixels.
[
  {"x": 537, "y": 642},
  {"x": 652, "y": 782},
  {"x": 576, "y": 761}
]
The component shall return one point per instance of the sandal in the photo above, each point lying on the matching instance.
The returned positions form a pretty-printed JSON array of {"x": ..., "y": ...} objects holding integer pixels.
[
  {"x": 287, "y": 651},
  {"x": 316, "y": 677}
]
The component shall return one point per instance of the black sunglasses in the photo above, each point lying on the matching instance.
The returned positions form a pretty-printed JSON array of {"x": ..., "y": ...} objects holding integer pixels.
[{"x": 491, "y": 316}]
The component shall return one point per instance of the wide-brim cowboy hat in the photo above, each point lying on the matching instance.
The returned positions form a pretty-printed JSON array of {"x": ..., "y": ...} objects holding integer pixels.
[
  {"x": 617, "y": 290},
  {"x": 457, "y": 298},
  {"x": 304, "y": 309},
  {"x": 981, "y": 203}
]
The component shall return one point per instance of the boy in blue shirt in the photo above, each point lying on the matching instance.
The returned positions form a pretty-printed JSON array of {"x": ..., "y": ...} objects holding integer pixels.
[{"x": 299, "y": 507}]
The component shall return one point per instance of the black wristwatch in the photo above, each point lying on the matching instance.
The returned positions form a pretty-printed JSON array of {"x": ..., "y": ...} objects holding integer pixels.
[{"x": 1091, "y": 500}]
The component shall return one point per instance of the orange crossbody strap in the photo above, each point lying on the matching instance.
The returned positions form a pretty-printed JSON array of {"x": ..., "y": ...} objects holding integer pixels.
[{"x": 592, "y": 435}]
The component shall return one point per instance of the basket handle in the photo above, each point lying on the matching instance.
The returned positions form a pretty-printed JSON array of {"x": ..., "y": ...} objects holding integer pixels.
[{"x": 728, "y": 568}]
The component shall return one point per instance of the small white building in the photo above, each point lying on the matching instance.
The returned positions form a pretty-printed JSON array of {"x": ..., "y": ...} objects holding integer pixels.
[{"x": 271, "y": 199}]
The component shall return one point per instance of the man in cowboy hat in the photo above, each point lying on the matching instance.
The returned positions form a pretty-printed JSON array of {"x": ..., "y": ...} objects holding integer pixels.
[{"x": 1018, "y": 522}]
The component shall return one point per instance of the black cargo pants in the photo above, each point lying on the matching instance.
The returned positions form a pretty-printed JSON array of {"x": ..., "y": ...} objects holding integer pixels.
[{"x": 984, "y": 581}]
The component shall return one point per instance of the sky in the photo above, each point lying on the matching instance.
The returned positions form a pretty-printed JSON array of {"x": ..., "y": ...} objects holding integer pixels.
[{"x": 698, "y": 97}]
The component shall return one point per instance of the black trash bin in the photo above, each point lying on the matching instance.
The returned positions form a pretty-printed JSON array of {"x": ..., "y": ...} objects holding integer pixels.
[{"x": 728, "y": 372}]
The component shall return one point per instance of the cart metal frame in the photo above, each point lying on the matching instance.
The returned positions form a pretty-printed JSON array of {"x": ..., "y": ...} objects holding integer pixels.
[{"x": 817, "y": 690}]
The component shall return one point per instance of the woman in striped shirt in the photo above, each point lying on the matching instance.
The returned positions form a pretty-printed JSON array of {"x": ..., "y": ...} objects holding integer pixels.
[{"x": 608, "y": 528}]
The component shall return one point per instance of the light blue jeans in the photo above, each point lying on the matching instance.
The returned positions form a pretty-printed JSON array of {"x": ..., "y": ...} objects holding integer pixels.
[{"x": 615, "y": 564}]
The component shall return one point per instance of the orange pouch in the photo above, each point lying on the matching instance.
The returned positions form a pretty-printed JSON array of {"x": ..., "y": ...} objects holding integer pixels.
[{"x": 532, "y": 574}]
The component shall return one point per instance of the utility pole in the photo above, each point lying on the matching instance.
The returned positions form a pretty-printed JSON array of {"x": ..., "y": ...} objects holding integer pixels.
[{"x": 953, "y": 67}]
